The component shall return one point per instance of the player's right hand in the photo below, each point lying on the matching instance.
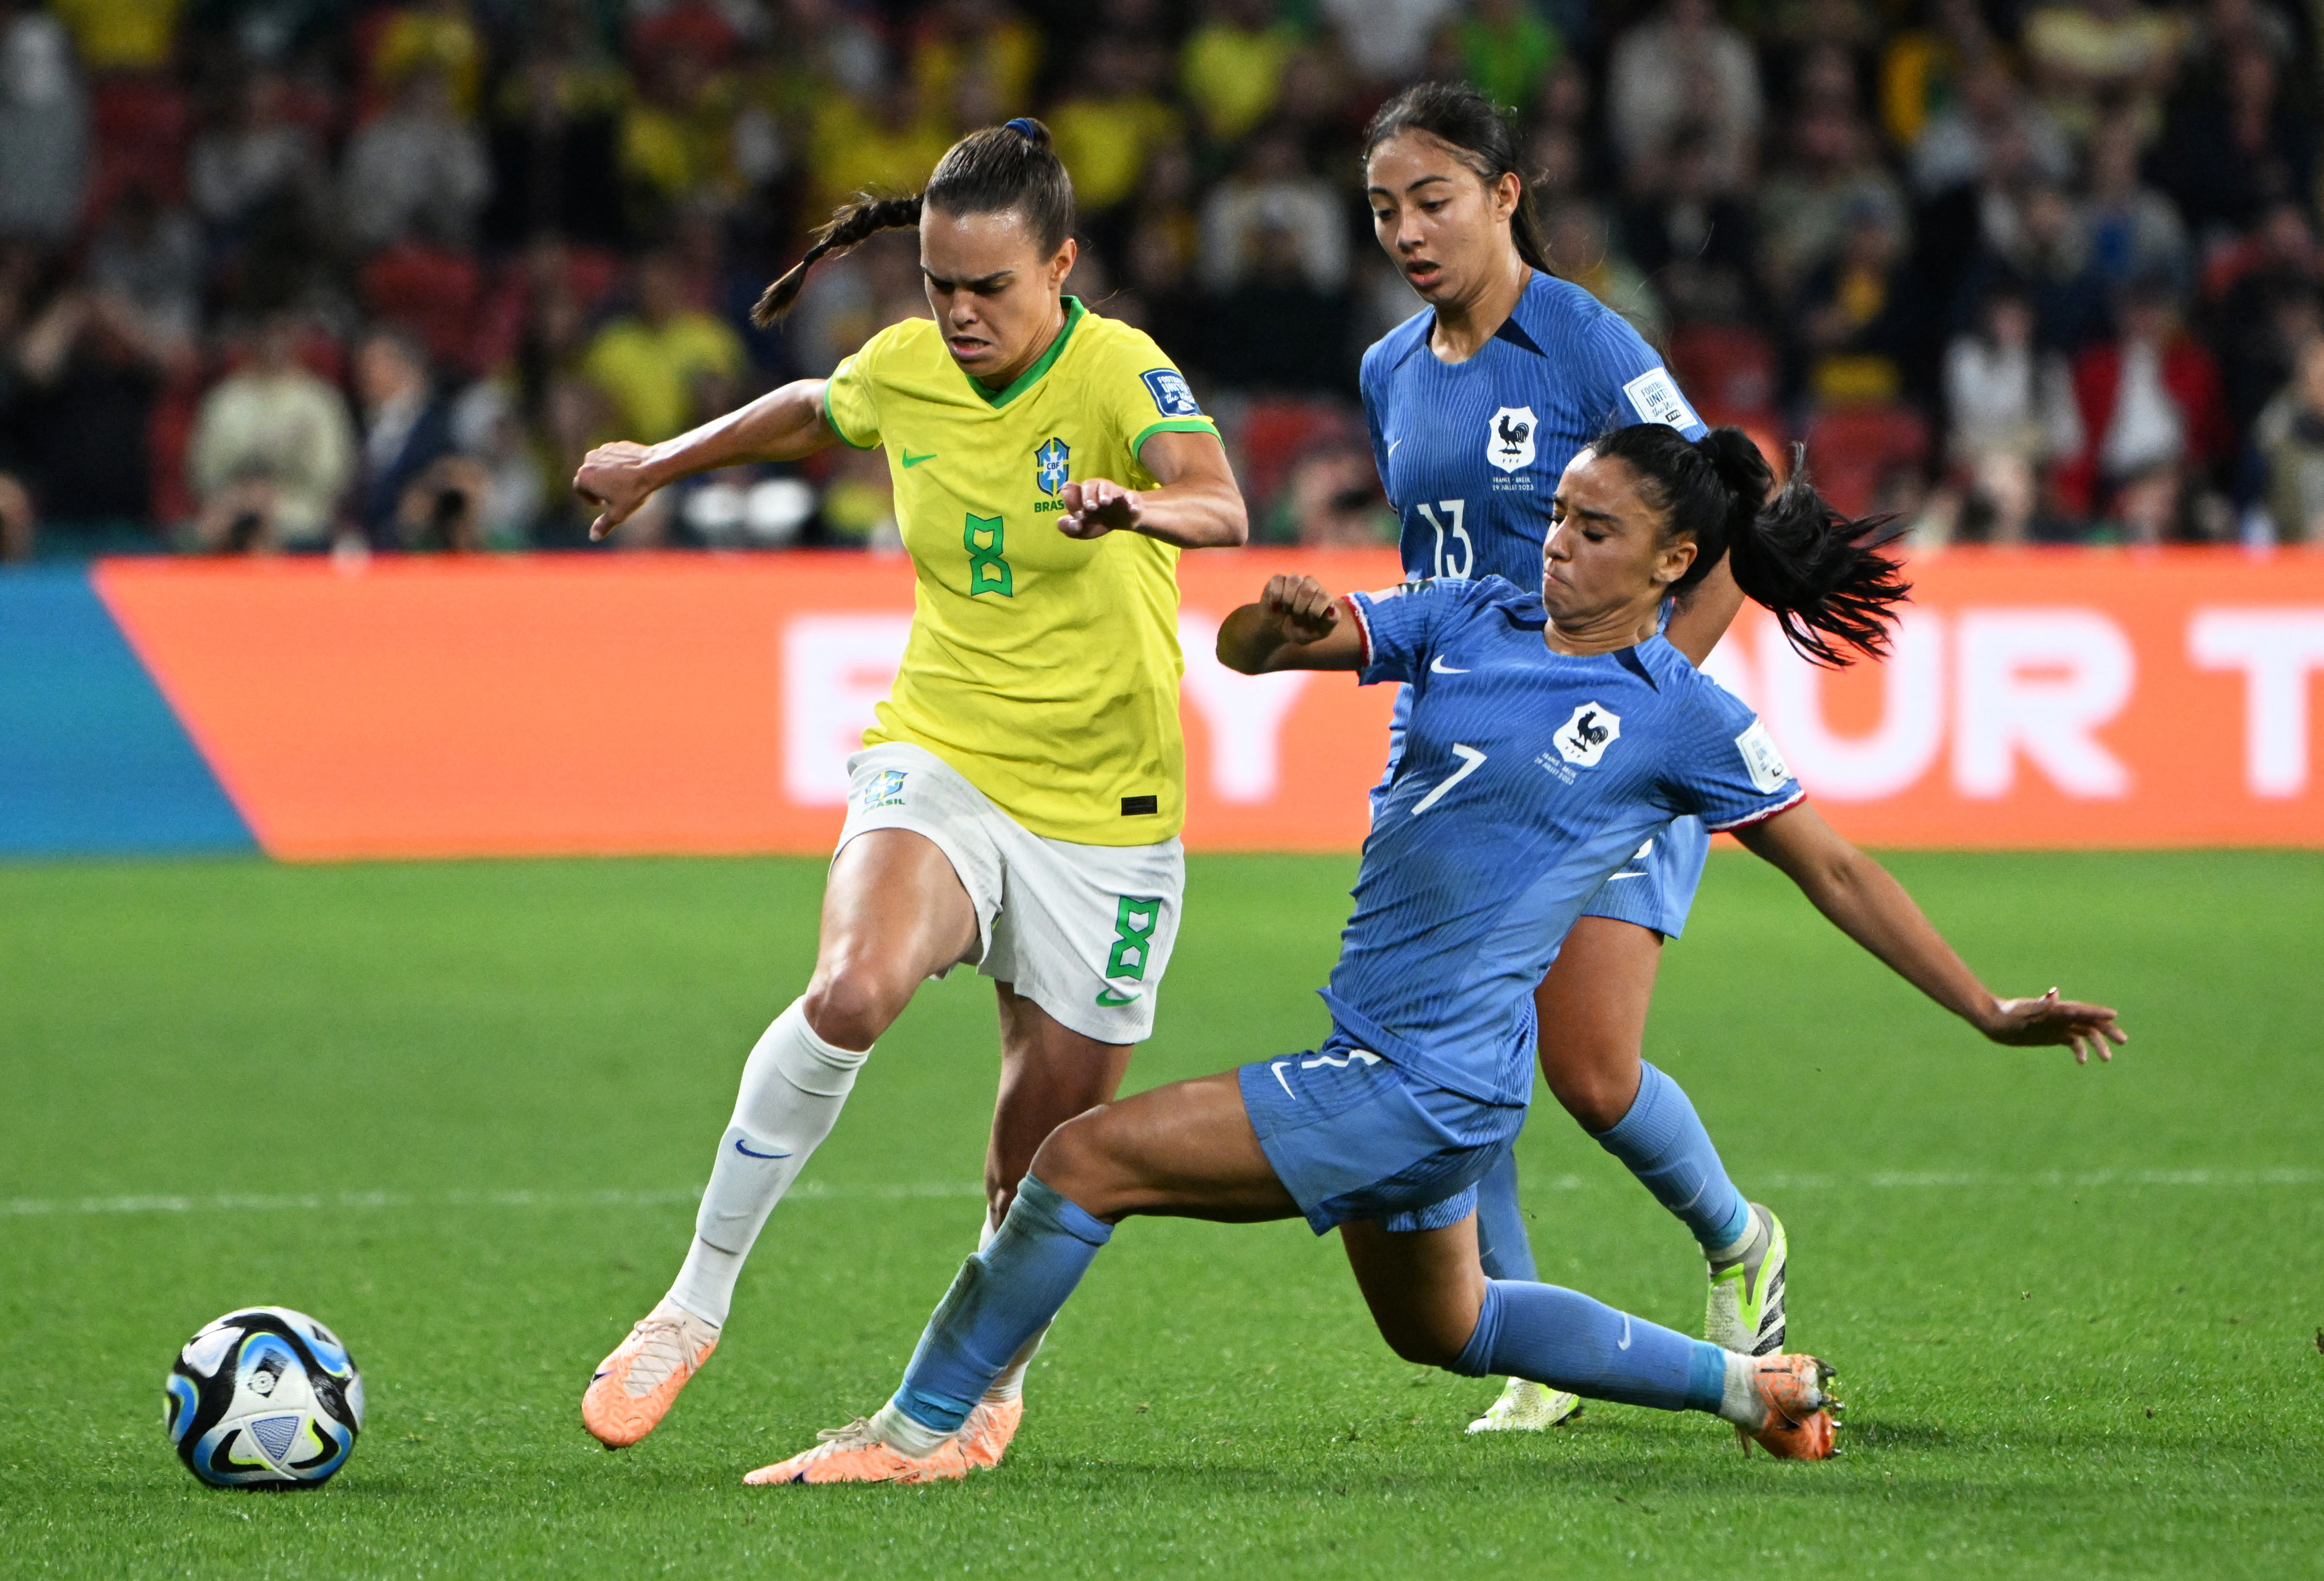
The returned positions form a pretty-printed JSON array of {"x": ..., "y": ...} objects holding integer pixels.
[
  {"x": 1299, "y": 607},
  {"x": 613, "y": 479},
  {"x": 2031, "y": 1023}
]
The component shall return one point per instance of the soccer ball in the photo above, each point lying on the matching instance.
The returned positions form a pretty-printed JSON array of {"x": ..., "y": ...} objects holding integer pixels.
[{"x": 264, "y": 1397}]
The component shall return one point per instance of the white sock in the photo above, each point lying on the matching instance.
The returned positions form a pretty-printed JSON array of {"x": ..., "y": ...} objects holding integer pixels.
[
  {"x": 1733, "y": 1251},
  {"x": 1738, "y": 1400},
  {"x": 902, "y": 1434},
  {"x": 794, "y": 1085},
  {"x": 1011, "y": 1384}
]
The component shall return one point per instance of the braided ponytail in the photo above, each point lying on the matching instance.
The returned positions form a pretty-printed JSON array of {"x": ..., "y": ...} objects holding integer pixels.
[
  {"x": 1818, "y": 573},
  {"x": 1010, "y": 167}
]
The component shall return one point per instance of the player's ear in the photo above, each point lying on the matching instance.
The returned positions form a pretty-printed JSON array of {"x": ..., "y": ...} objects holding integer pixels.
[
  {"x": 1062, "y": 264},
  {"x": 1672, "y": 560},
  {"x": 1505, "y": 190}
]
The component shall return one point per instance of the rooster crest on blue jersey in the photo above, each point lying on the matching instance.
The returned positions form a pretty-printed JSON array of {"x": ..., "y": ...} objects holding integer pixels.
[{"x": 264, "y": 1397}]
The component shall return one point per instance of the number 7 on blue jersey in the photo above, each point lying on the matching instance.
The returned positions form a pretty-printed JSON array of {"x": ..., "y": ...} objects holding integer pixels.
[{"x": 1469, "y": 758}]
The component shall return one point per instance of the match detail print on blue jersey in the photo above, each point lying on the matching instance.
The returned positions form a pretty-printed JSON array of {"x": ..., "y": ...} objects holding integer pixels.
[
  {"x": 1471, "y": 452},
  {"x": 1527, "y": 778}
]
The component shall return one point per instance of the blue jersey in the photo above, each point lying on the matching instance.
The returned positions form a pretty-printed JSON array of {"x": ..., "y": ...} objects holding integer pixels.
[
  {"x": 1470, "y": 454},
  {"x": 1528, "y": 777}
]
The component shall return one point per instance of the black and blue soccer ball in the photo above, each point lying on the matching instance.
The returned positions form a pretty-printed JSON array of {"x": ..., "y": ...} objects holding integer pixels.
[{"x": 264, "y": 1397}]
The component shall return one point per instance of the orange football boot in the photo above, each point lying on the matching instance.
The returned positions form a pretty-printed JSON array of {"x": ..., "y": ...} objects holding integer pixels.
[
  {"x": 1800, "y": 1423},
  {"x": 635, "y": 1386},
  {"x": 857, "y": 1454},
  {"x": 985, "y": 1436}
]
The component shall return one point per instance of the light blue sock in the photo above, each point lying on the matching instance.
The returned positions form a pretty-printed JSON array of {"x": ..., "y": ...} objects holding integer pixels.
[
  {"x": 1502, "y": 1243},
  {"x": 1001, "y": 1298},
  {"x": 1566, "y": 1340},
  {"x": 1663, "y": 1141}
]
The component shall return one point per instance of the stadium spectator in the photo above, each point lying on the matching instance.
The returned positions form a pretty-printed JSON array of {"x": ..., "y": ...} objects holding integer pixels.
[
  {"x": 2011, "y": 403},
  {"x": 2153, "y": 422},
  {"x": 44, "y": 134},
  {"x": 432, "y": 35},
  {"x": 2238, "y": 147},
  {"x": 1231, "y": 67},
  {"x": 89, "y": 371},
  {"x": 1506, "y": 49},
  {"x": 262, "y": 156},
  {"x": 122, "y": 35},
  {"x": 666, "y": 365},
  {"x": 2290, "y": 439},
  {"x": 416, "y": 171},
  {"x": 2267, "y": 310},
  {"x": 1857, "y": 318},
  {"x": 400, "y": 494},
  {"x": 488, "y": 430},
  {"x": 1110, "y": 125},
  {"x": 1808, "y": 200},
  {"x": 1684, "y": 67},
  {"x": 150, "y": 255},
  {"x": 1697, "y": 244},
  {"x": 2133, "y": 229},
  {"x": 2086, "y": 53},
  {"x": 554, "y": 130},
  {"x": 1991, "y": 121},
  {"x": 1274, "y": 209},
  {"x": 2036, "y": 235},
  {"x": 1387, "y": 41},
  {"x": 1581, "y": 249},
  {"x": 273, "y": 451}
]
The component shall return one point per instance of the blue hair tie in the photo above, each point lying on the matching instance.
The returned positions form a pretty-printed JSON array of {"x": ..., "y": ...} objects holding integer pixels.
[{"x": 1024, "y": 127}]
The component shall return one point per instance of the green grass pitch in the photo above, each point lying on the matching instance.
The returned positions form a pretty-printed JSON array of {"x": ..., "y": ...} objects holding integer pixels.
[{"x": 459, "y": 1111}]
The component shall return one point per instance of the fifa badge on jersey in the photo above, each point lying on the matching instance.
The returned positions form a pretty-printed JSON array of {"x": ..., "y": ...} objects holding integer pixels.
[
  {"x": 1172, "y": 396},
  {"x": 1584, "y": 738},
  {"x": 1052, "y": 466},
  {"x": 1509, "y": 443},
  {"x": 1761, "y": 759}
]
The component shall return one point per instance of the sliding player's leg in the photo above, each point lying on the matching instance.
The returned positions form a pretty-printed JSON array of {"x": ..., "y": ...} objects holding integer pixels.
[
  {"x": 1186, "y": 1149},
  {"x": 1505, "y": 1251},
  {"x": 895, "y": 913},
  {"x": 1592, "y": 1012},
  {"x": 1435, "y": 1307},
  {"x": 1049, "y": 1073}
]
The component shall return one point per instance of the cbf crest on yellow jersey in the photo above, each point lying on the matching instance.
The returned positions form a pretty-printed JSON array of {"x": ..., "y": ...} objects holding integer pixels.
[{"x": 1044, "y": 669}]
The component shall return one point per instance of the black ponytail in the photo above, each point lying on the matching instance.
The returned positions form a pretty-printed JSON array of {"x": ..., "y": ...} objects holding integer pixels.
[
  {"x": 1010, "y": 167},
  {"x": 1821, "y": 575},
  {"x": 1482, "y": 137}
]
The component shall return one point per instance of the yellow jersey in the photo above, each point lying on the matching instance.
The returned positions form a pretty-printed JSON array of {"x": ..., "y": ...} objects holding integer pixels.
[{"x": 1044, "y": 669}]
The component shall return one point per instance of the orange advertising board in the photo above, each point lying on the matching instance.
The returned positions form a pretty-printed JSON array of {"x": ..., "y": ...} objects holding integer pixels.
[{"x": 700, "y": 703}]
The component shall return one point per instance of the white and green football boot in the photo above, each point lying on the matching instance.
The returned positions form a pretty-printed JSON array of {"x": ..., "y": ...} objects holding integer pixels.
[
  {"x": 1746, "y": 1309},
  {"x": 1527, "y": 1406}
]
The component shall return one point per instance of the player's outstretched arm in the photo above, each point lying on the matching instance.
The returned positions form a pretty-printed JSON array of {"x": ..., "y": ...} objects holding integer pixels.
[
  {"x": 1294, "y": 625},
  {"x": 1869, "y": 905},
  {"x": 782, "y": 425},
  {"x": 1197, "y": 503}
]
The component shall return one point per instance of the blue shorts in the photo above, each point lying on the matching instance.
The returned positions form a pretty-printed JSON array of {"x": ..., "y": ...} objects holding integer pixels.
[
  {"x": 1654, "y": 889},
  {"x": 1353, "y": 1137}
]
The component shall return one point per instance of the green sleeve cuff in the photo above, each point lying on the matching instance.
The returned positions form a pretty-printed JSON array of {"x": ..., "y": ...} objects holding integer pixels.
[
  {"x": 1171, "y": 425},
  {"x": 833, "y": 423}
]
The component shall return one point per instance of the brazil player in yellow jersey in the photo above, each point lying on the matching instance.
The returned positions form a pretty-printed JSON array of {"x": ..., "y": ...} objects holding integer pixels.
[{"x": 1017, "y": 804}]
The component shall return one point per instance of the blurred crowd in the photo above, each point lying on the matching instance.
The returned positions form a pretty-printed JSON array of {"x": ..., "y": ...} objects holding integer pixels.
[{"x": 305, "y": 274}]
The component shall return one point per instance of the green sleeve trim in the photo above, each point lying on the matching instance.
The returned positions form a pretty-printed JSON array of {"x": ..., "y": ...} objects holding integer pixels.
[
  {"x": 833, "y": 423},
  {"x": 1172, "y": 425}
]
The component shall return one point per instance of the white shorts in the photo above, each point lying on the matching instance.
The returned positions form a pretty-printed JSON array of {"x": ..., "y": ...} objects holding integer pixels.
[{"x": 1083, "y": 932}]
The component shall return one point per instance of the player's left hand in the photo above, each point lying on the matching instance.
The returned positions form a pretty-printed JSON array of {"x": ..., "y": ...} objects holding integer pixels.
[
  {"x": 2030, "y": 1023},
  {"x": 1097, "y": 507}
]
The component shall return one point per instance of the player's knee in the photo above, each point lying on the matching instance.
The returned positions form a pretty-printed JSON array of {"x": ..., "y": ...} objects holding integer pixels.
[
  {"x": 1596, "y": 1092},
  {"x": 1422, "y": 1342},
  {"x": 851, "y": 1008},
  {"x": 1074, "y": 1159}
]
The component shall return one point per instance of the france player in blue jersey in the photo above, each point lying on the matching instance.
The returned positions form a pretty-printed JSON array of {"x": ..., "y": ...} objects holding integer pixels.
[
  {"x": 1548, "y": 733},
  {"x": 1475, "y": 405}
]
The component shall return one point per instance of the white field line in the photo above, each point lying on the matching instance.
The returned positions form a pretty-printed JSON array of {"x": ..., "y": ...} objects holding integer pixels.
[{"x": 817, "y": 1191}]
